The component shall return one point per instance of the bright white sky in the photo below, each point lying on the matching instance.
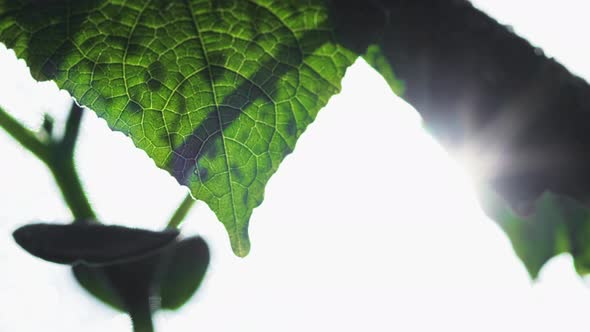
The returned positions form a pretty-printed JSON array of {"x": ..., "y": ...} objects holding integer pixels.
[{"x": 368, "y": 226}]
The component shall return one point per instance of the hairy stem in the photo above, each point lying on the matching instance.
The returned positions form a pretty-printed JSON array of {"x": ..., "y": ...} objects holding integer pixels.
[
  {"x": 24, "y": 136},
  {"x": 68, "y": 181},
  {"x": 64, "y": 171},
  {"x": 181, "y": 211},
  {"x": 58, "y": 155}
]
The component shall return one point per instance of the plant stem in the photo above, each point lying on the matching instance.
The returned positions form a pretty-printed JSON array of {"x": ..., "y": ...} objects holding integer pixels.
[
  {"x": 58, "y": 155},
  {"x": 68, "y": 181},
  {"x": 68, "y": 142},
  {"x": 181, "y": 211},
  {"x": 141, "y": 317},
  {"x": 64, "y": 171},
  {"x": 24, "y": 136}
]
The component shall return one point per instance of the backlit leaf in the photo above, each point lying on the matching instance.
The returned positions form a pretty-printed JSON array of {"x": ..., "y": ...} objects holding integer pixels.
[
  {"x": 216, "y": 92},
  {"x": 555, "y": 224}
]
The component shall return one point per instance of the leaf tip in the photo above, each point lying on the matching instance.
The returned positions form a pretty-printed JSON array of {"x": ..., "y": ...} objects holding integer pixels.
[
  {"x": 533, "y": 271},
  {"x": 242, "y": 249},
  {"x": 240, "y": 243},
  {"x": 23, "y": 237}
]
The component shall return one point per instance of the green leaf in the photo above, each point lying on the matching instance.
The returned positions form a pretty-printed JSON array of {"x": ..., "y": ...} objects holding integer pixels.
[
  {"x": 183, "y": 272},
  {"x": 216, "y": 93},
  {"x": 174, "y": 274},
  {"x": 557, "y": 224},
  {"x": 96, "y": 282},
  {"x": 376, "y": 59},
  {"x": 124, "y": 286},
  {"x": 577, "y": 218},
  {"x": 534, "y": 237}
]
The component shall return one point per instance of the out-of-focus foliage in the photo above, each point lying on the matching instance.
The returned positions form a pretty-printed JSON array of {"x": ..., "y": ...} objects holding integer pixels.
[
  {"x": 90, "y": 243},
  {"x": 172, "y": 275},
  {"x": 556, "y": 224}
]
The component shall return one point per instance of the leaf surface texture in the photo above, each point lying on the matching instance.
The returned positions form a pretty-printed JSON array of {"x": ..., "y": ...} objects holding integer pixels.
[{"x": 216, "y": 92}]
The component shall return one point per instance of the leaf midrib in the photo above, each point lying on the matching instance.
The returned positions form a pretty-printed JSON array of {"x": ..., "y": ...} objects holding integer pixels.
[{"x": 223, "y": 145}]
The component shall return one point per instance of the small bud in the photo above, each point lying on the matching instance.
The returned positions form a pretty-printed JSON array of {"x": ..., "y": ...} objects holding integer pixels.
[{"x": 47, "y": 126}]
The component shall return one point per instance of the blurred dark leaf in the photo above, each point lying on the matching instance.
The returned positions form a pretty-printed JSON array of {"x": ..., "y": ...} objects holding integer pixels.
[
  {"x": 92, "y": 244},
  {"x": 556, "y": 224},
  {"x": 488, "y": 94},
  {"x": 520, "y": 119},
  {"x": 183, "y": 272},
  {"x": 96, "y": 282},
  {"x": 172, "y": 274}
]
